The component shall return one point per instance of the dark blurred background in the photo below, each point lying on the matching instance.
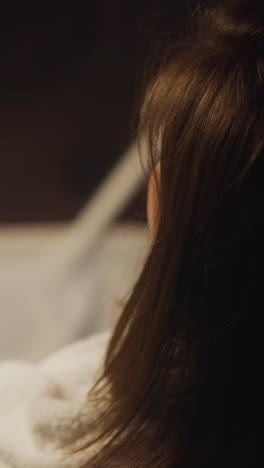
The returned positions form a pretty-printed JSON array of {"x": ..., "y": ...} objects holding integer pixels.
[{"x": 69, "y": 72}]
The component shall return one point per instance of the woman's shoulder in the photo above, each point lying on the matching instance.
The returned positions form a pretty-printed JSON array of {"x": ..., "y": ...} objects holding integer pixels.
[
  {"x": 79, "y": 362},
  {"x": 43, "y": 406},
  {"x": 91, "y": 343},
  {"x": 80, "y": 358}
]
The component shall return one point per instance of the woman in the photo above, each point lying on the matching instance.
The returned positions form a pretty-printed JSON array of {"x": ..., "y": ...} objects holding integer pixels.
[{"x": 180, "y": 380}]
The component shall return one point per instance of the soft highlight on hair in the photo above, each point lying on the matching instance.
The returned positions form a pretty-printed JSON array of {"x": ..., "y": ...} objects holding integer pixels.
[{"x": 180, "y": 372}]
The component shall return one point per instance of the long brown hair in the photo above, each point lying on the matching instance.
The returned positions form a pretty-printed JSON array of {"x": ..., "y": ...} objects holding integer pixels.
[{"x": 181, "y": 369}]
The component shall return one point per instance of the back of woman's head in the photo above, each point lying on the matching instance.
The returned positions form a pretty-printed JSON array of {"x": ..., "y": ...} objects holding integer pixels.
[{"x": 183, "y": 365}]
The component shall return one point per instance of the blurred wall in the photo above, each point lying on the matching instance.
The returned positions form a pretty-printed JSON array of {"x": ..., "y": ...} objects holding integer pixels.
[
  {"x": 68, "y": 72},
  {"x": 68, "y": 75}
]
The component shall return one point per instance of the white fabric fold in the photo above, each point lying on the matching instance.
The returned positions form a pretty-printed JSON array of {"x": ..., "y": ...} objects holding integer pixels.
[{"x": 43, "y": 406}]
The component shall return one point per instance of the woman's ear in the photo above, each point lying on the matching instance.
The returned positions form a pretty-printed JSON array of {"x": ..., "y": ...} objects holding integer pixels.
[{"x": 152, "y": 200}]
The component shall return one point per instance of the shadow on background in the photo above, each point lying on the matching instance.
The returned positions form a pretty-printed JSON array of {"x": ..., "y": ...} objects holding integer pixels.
[
  {"x": 67, "y": 80},
  {"x": 68, "y": 75}
]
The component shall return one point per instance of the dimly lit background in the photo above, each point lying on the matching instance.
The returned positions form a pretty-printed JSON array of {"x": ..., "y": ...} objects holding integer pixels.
[
  {"x": 67, "y": 81},
  {"x": 68, "y": 77},
  {"x": 70, "y": 72}
]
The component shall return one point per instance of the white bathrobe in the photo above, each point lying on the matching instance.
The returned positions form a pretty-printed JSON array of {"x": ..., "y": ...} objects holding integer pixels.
[{"x": 43, "y": 405}]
